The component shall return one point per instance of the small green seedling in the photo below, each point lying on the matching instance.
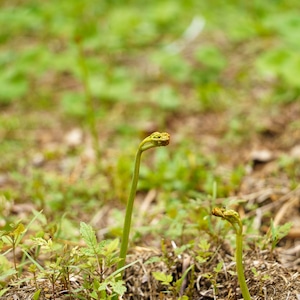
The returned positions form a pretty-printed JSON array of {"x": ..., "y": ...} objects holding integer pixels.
[
  {"x": 234, "y": 219},
  {"x": 156, "y": 139},
  {"x": 13, "y": 236},
  {"x": 276, "y": 233},
  {"x": 173, "y": 286}
]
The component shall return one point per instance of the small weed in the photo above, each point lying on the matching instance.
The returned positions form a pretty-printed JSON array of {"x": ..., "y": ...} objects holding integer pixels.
[
  {"x": 212, "y": 276},
  {"x": 13, "y": 237},
  {"x": 174, "y": 287},
  {"x": 259, "y": 276},
  {"x": 102, "y": 256},
  {"x": 276, "y": 233}
]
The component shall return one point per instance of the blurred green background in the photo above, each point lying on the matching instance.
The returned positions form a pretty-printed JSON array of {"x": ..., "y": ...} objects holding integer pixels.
[{"x": 211, "y": 73}]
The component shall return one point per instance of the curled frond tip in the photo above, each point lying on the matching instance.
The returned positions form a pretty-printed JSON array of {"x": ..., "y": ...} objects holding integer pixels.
[{"x": 160, "y": 138}]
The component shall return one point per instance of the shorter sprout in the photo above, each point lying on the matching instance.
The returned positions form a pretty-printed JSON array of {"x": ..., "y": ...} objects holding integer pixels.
[
  {"x": 234, "y": 219},
  {"x": 231, "y": 216}
]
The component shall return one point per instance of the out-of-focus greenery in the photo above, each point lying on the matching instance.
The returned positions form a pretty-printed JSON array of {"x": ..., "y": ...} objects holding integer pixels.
[
  {"x": 138, "y": 46},
  {"x": 147, "y": 62}
]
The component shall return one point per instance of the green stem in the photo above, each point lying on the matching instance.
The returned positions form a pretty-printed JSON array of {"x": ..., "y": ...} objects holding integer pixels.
[
  {"x": 234, "y": 219},
  {"x": 129, "y": 208},
  {"x": 156, "y": 139},
  {"x": 240, "y": 268}
]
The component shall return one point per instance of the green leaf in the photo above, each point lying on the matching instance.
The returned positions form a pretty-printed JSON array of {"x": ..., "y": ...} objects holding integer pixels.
[
  {"x": 219, "y": 267},
  {"x": 111, "y": 246},
  {"x": 103, "y": 286},
  {"x": 18, "y": 230},
  {"x": 88, "y": 234},
  {"x": 254, "y": 271},
  {"x": 35, "y": 265},
  {"x": 94, "y": 295},
  {"x": 279, "y": 232},
  {"x": 5, "y": 264},
  {"x": 36, "y": 295},
  {"x": 96, "y": 284},
  {"x": 153, "y": 259},
  {"x": 118, "y": 287},
  {"x": 3, "y": 292},
  {"x": 162, "y": 277},
  {"x": 204, "y": 245},
  {"x": 201, "y": 259},
  {"x": 4, "y": 275},
  {"x": 178, "y": 283}
]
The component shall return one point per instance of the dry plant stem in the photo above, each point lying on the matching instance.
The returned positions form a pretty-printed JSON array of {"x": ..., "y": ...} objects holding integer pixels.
[
  {"x": 156, "y": 139},
  {"x": 234, "y": 219}
]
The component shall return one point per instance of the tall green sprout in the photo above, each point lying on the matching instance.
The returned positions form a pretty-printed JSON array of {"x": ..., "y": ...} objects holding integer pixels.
[
  {"x": 234, "y": 219},
  {"x": 156, "y": 139}
]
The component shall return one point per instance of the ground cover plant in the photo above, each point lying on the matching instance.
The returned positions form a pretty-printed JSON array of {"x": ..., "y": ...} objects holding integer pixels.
[{"x": 83, "y": 83}]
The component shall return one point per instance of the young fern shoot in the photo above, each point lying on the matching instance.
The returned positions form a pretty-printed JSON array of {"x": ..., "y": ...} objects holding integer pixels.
[
  {"x": 156, "y": 139},
  {"x": 234, "y": 219}
]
